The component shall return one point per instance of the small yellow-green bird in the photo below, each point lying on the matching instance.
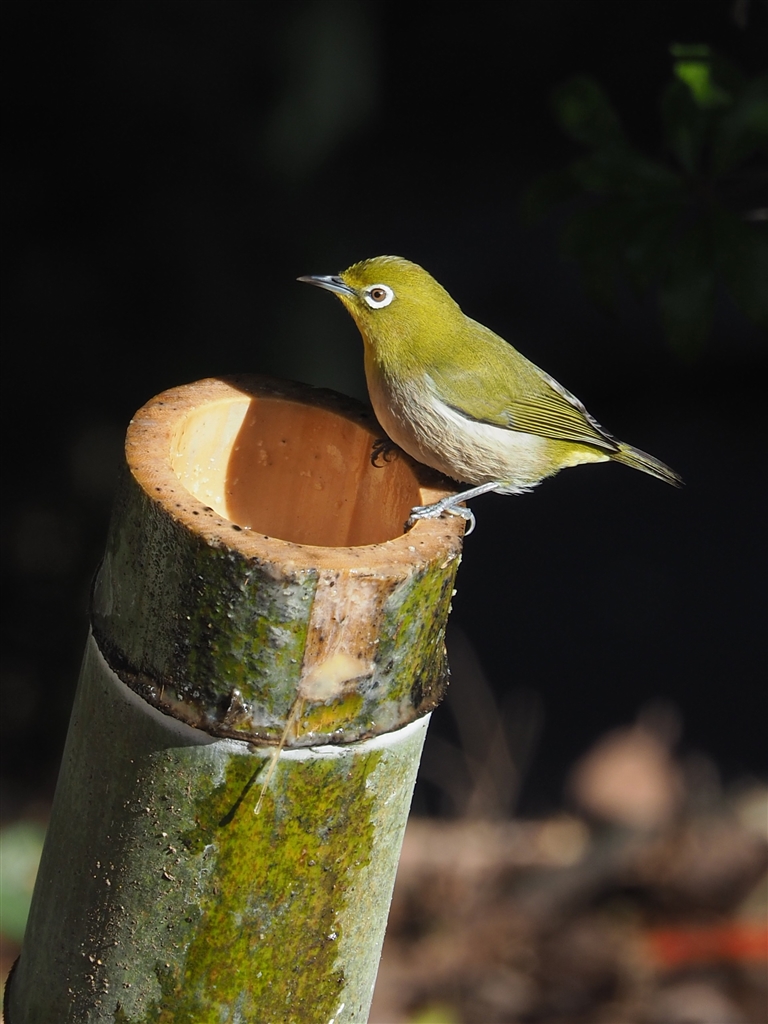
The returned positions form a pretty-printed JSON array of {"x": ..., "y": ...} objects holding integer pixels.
[{"x": 459, "y": 398}]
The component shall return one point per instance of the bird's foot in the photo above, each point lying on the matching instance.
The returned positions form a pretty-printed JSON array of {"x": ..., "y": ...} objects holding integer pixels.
[
  {"x": 440, "y": 508},
  {"x": 384, "y": 449},
  {"x": 452, "y": 504}
]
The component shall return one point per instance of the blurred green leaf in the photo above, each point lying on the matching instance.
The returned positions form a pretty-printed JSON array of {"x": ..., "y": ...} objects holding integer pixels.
[
  {"x": 641, "y": 220},
  {"x": 697, "y": 75},
  {"x": 685, "y": 125},
  {"x": 20, "y": 847},
  {"x": 624, "y": 172},
  {"x": 711, "y": 78},
  {"x": 585, "y": 113}
]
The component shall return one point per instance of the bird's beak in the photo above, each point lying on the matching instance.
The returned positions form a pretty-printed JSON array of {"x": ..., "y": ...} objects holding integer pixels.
[{"x": 330, "y": 282}]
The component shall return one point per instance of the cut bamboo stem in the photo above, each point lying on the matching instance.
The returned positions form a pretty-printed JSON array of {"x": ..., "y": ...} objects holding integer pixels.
[{"x": 263, "y": 634}]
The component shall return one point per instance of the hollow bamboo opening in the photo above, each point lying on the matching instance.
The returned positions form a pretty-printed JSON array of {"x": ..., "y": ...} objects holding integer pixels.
[{"x": 293, "y": 471}]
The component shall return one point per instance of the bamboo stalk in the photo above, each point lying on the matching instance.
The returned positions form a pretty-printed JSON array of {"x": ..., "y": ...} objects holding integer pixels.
[{"x": 257, "y": 591}]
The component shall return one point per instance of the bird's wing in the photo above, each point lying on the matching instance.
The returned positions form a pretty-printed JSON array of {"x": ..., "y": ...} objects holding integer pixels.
[
  {"x": 536, "y": 404},
  {"x": 557, "y": 414}
]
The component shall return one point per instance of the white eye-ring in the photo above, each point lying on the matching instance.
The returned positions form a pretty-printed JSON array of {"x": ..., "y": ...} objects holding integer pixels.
[{"x": 378, "y": 295}]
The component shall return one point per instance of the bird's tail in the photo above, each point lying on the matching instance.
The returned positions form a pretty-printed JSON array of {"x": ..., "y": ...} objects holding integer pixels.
[{"x": 635, "y": 459}]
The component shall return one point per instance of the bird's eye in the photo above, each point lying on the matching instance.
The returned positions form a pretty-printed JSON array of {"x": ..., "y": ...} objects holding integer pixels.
[{"x": 378, "y": 295}]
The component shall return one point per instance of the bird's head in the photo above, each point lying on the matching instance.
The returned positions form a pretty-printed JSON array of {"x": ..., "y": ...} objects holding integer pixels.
[{"x": 398, "y": 307}]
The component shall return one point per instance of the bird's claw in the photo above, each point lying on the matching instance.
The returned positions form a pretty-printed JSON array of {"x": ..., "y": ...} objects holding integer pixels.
[
  {"x": 384, "y": 449},
  {"x": 439, "y": 509}
]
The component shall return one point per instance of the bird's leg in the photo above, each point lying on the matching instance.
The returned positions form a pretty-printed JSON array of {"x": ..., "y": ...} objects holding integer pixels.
[
  {"x": 451, "y": 505},
  {"x": 384, "y": 449}
]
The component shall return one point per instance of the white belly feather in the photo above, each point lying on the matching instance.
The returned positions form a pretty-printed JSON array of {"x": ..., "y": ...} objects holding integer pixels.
[{"x": 475, "y": 453}]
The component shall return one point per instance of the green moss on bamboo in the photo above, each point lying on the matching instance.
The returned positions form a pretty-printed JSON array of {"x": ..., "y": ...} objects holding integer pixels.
[
  {"x": 249, "y": 632},
  {"x": 325, "y": 718},
  {"x": 276, "y": 894},
  {"x": 412, "y": 651}
]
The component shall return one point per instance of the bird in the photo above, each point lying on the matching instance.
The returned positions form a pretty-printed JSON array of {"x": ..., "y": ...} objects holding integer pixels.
[{"x": 459, "y": 398}]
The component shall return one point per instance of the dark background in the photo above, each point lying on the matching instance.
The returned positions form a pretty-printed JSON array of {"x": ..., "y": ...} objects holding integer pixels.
[{"x": 170, "y": 168}]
